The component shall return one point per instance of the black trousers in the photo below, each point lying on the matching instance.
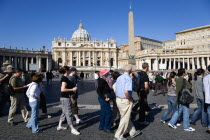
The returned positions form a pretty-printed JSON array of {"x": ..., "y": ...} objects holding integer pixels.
[
  {"x": 43, "y": 105},
  {"x": 4, "y": 99},
  {"x": 143, "y": 104}
]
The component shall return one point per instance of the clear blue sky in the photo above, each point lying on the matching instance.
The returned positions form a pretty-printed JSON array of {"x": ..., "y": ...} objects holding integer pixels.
[{"x": 34, "y": 23}]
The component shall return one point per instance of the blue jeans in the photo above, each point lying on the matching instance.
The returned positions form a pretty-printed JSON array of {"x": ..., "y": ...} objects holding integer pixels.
[
  {"x": 172, "y": 106},
  {"x": 33, "y": 121},
  {"x": 208, "y": 112},
  {"x": 186, "y": 114},
  {"x": 199, "y": 110},
  {"x": 105, "y": 115}
]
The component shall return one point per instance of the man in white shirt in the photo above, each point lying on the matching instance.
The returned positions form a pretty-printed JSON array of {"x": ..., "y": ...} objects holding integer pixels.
[{"x": 206, "y": 81}]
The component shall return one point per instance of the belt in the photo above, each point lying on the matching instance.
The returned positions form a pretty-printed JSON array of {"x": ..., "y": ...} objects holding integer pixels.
[{"x": 121, "y": 98}]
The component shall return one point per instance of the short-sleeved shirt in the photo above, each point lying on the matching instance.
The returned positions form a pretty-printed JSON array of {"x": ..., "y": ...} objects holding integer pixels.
[
  {"x": 70, "y": 85},
  {"x": 123, "y": 83},
  {"x": 144, "y": 78},
  {"x": 17, "y": 82}
]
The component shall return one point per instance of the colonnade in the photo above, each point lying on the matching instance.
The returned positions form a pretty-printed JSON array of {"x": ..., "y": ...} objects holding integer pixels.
[
  {"x": 42, "y": 63},
  {"x": 172, "y": 63}
]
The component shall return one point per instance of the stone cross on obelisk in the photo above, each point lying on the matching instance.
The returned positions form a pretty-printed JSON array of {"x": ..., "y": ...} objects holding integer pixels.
[{"x": 131, "y": 53}]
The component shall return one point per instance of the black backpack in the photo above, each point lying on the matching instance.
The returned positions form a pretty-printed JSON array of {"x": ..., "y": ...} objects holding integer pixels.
[
  {"x": 185, "y": 96},
  {"x": 137, "y": 82}
]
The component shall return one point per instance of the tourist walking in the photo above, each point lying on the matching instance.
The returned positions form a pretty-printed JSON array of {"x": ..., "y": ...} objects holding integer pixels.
[
  {"x": 199, "y": 94},
  {"x": 43, "y": 104},
  {"x": 96, "y": 76},
  {"x": 125, "y": 103},
  {"x": 158, "y": 84},
  {"x": 18, "y": 99},
  {"x": 180, "y": 81},
  {"x": 82, "y": 75},
  {"x": 49, "y": 77},
  {"x": 104, "y": 93},
  {"x": 171, "y": 96},
  {"x": 33, "y": 94},
  {"x": 74, "y": 97},
  {"x": 67, "y": 89},
  {"x": 206, "y": 83},
  {"x": 143, "y": 92},
  {"x": 115, "y": 111},
  {"x": 4, "y": 80}
]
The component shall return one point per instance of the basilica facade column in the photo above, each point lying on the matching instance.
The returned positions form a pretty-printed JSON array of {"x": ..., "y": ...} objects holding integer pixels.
[
  {"x": 89, "y": 61},
  {"x": 71, "y": 58},
  {"x": 208, "y": 63},
  {"x": 101, "y": 59},
  {"x": 115, "y": 59},
  {"x": 64, "y": 58},
  {"x": 77, "y": 62},
  {"x": 174, "y": 64},
  {"x": 83, "y": 60}
]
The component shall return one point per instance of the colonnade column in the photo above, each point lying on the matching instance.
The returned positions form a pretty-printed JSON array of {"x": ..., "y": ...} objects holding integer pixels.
[
  {"x": 208, "y": 61},
  {"x": 47, "y": 64},
  {"x": 188, "y": 63},
  {"x": 16, "y": 62},
  {"x": 198, "y": 63},
  {"x": 4, "y": 58},
  {"x": 174, "y": 66},
  {"x": 40, "y": 64},
  {"x": 21, "y": 62},
  {"x": 26, "y": 63},
  {"x": 178, "y": 63},
  {"x": 10, "y": 61},
  {"x": 169, "y": 67},
  {"x": 203, "y": 63},
  {"x": 183, "y": 62},
  {"x": 193, "y": 63}
]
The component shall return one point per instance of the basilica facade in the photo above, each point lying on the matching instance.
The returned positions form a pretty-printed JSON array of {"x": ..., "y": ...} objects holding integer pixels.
[{"x": 83, "y": 53}]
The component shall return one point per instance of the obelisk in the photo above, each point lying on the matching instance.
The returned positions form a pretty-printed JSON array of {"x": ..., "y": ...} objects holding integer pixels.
[{"x": 131, "y": 52}]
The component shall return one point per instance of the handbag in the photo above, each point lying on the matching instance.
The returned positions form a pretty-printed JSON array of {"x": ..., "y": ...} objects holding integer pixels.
[
  {"x": 185, "y": 96},
  {"x": 110, "y": 95}
]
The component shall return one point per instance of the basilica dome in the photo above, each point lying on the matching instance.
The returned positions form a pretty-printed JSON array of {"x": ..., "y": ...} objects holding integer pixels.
[{"x": 80, "y": 34}]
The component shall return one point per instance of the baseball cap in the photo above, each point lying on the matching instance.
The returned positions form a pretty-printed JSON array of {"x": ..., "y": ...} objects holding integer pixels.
[
  {"x": 10, "y": 66},
  {"x": 73, "y": 69}
]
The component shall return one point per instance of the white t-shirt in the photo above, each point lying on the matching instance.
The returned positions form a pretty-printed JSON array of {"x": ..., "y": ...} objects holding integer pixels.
[{"x": 96, "y": 76}]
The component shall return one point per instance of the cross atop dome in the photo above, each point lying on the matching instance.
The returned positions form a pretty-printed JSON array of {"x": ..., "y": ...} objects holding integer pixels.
[{"x": 80, "y": 25}]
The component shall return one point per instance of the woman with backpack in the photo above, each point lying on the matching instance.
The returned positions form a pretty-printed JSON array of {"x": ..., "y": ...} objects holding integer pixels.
[
  {"x": 181, "y": 83},
  {"x": 171, "y": 96},
  {"x": 199, "y": 94}
]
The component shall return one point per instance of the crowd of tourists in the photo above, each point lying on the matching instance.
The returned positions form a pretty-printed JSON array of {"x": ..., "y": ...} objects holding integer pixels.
[{"x": 113, "y": 88}]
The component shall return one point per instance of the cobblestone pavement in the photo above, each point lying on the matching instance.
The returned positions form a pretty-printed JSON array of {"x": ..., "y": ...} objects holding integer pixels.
[{"x": 89, "y": 111}]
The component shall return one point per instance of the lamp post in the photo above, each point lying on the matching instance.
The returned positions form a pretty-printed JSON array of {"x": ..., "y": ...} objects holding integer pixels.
[{"x": 109, "y": 60}]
